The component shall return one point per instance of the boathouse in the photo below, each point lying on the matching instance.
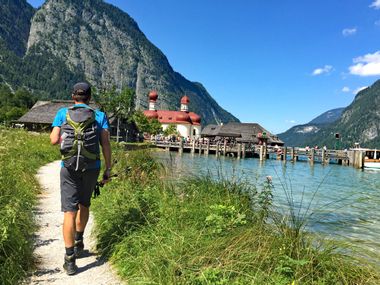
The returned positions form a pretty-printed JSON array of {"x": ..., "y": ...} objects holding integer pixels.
[
  {"x": 251, "y": 133},
  {"x": 188, "y": 124}
]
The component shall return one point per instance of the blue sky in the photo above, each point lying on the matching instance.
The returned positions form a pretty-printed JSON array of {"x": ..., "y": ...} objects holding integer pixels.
[{"x": 277, "y": 63}]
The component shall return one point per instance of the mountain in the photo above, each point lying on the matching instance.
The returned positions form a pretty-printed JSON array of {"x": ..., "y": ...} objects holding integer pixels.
[
  {"x": 359, "y": 122},
  {"x": 301, "y": 134},
  {"x": 105, "y": 45},
  {"x": 66, "y": 41},
  {"x": 327, "y": 117},
  {"x": 15, "y": 24}
]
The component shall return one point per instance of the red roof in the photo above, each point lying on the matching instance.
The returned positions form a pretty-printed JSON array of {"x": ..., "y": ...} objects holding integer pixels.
[
  {"x": 185, "y": 100},
  {"x": 174, "y": 117},
  {"x": 153, "y": 96}
]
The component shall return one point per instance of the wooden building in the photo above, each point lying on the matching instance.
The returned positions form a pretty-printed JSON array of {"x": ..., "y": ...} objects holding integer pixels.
[
  {"x": 40, "y": 118},
  {"x": 250, "y": 133}
]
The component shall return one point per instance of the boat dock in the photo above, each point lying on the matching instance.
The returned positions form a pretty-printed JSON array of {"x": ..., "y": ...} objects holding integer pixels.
[{"x": 353, "y": 157}]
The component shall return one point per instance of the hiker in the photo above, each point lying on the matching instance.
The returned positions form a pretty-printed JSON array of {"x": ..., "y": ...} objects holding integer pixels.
[{"x": 79, "y": 129}]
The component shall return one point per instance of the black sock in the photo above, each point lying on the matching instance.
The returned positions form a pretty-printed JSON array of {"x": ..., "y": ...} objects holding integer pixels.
[
  {"x": 79, "y": 235},
  {"x": 69, "y": 251}
]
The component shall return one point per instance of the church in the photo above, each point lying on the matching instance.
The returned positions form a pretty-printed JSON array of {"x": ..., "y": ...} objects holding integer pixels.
[{"x": 188, "y": 123}]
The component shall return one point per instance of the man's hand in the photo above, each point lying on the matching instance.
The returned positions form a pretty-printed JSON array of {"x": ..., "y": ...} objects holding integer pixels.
[{"x": 106, "y": 175}]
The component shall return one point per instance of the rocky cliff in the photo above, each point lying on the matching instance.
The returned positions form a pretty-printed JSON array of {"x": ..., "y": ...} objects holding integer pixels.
[{"x": 106, "y": 45}]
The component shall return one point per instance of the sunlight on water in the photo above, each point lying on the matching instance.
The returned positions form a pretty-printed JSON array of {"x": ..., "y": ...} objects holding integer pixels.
[{"x": 342, "y": 202}]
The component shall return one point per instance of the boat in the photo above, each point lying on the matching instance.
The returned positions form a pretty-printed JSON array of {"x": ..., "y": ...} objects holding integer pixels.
[{"x": 372, "y": 159}]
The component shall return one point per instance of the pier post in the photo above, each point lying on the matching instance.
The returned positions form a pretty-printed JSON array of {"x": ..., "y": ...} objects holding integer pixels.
[
  {"x": 292, "y": 154},
  {"x": 200, "y": 148},
  {"x": 217, "y": 149},
  {"x": 243, "y": 150},
  {"x": 180, "y": 150},
  {"x": 358, "y": 158},
  {"x": 324, "y": 161},
  {"x": 266, "y": 154},
  {"x": 193, "y": 147},
  {"x": 312, "y": 155},
  {"x": 238, "y": 150},
  {"x": 262, "y": 153},
  {"x": 207, "y": 147},
  {"x": 285, "y": 153},
  {"x": 225, "y": 148}
]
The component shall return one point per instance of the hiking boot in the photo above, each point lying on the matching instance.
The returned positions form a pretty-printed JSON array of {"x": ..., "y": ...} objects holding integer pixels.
[
  {"x": 69, "y": 265},
  {"x": 78, "y": 247}
]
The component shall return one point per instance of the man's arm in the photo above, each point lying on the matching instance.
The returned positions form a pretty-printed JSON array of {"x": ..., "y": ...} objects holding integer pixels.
[
  {"x": 106, "y": 149},
  {"x": 55, "y": 135}
]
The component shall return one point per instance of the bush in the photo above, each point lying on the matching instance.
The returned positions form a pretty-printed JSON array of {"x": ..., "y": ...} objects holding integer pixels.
[
  {"x": 203, "y": 230},
  {"x": 21, "y": 154}
]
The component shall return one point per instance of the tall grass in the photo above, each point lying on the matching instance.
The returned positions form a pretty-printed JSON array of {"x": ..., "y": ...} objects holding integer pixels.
[
  {"x": 21, "y": 154},
  {"x": 203, "y": 230}
]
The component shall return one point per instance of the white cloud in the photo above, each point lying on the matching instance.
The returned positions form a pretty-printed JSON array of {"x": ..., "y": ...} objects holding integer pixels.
[
  {"x": 375, "y": 4},
  {"x": 357, "y": 90},
  {"x": 325, "y": 69},
  {"x": 367, "y": 65},
  {"x": 345, "y": 89},
  {"x": 290, "y": 121},
  {"x": 349, "y": 31}
]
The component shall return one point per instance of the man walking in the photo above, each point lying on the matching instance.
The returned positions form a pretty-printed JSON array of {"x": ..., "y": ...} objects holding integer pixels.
[{"x": 79, "y": 130}]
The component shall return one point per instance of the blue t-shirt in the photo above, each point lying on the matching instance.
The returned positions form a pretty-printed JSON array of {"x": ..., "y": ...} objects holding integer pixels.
[{"x": 100, "y": 118}]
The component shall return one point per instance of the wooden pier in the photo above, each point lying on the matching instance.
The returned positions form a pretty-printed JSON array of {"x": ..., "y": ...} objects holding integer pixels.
[{"x": 353, "y": 157}]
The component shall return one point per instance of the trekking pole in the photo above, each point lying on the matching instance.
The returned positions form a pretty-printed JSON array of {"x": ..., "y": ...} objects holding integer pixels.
[{"x": 99, "y": 185}]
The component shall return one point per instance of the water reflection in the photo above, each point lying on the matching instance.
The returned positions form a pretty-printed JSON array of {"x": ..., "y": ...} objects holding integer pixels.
[{"x": 341, "y": 202}]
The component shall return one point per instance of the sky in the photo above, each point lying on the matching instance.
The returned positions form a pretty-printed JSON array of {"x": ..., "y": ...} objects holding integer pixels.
[{"x": 276, "y": 63}]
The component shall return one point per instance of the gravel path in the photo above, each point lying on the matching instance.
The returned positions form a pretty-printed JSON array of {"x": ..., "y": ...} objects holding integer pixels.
[{"x": 49, "y": 247}]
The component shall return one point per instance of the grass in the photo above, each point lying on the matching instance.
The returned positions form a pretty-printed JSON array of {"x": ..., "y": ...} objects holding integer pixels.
[
  {"x": 21, "y": 154},
  {"x": 203, "y": 230}
]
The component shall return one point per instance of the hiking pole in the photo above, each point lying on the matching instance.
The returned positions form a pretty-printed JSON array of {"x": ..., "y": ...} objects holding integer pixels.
[{"x": 100, "y": 184}]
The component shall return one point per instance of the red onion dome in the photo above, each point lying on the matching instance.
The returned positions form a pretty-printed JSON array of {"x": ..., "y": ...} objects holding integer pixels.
[
  {"x": 150, "y": 114},
  {"x": 153, "y": 96},
  {"x": 185, "y": 100},
  {"x": 195, "y": 118},
  {"x": 183, "y": 117}
]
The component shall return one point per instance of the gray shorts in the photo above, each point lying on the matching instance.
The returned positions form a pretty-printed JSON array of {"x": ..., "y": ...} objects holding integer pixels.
[{"x": 76, "y": 188}]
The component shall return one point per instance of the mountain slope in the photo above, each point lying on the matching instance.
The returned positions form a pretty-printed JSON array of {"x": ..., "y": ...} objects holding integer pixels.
[
  {"x": 15, "y": 24},
  {"x": 328, "y": 117},
  {"x": 300, "y": 135},
  {"x": 359, "y": 122},
  {"x": 107, "y": 46}
]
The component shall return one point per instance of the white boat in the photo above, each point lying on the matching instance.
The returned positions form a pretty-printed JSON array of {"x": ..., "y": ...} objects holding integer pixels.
[{"x": 372, "y": 158}]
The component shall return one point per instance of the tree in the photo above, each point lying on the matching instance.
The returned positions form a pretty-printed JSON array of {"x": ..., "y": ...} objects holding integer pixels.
[
  {"x": 171, "y": 130},
  {"x": 118, "y": 104},
  {"x": 145, "y": 125},
  {"x": 155, "y": 127}
]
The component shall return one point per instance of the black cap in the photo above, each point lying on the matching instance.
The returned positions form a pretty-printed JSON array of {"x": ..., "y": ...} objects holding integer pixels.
[{"x": 82, "y": 88}]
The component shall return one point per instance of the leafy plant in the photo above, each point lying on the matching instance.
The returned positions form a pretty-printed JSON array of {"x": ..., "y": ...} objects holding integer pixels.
[{"x": 224, "y": 218}]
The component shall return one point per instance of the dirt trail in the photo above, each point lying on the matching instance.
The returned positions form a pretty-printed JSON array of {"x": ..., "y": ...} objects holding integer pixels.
[{"x": 49, "y": 248}]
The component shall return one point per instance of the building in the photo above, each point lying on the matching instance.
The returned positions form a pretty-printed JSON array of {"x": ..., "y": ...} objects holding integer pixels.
[
  {"x": 42, "y": 114},
  {"x": 40, "y": 117},
  {"x": 242, "y": 133},
  {"x": 188, "y": 124}
]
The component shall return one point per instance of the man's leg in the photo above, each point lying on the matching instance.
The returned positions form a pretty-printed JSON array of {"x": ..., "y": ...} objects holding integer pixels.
[
  {"x": 68, "y": 237},
  {"x": 82, "y": 218},
  {"x": 69, "y": 228}
]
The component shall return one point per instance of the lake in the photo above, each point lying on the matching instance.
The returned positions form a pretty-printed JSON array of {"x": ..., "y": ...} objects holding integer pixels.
[{"x": 343, "y": 202}]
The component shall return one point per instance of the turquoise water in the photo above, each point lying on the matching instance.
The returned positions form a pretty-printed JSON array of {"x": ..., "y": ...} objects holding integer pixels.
[{"x": 342, "y": 202}]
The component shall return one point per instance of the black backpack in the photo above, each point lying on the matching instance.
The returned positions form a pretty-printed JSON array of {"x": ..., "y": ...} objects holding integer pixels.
[{"x": 80, "y": 139}]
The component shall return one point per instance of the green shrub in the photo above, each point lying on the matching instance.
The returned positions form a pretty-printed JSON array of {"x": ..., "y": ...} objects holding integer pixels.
[
  {"x": 21, "y": 154},
  {"x": 202, "y": 230}
]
